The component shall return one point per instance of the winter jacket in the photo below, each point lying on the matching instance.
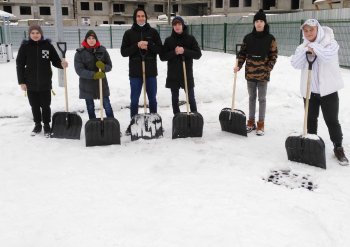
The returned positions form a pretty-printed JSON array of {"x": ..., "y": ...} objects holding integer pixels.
[
  {"x": 85, "y": 66},
  {"x": 130, "y": 49},
  {"x": 325, "y": 77},
  {"x": 33, "y": 62},
  {"x": 259, "y": 52},
  {"x": 175, "y": 76}
]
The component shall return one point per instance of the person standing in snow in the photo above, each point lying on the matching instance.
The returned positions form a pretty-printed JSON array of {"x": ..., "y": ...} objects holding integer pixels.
[
  {"x": 177, "y": 46},
  {"x": 259, "y": 52},
  {"x": 34, "y": 74},
  {"x": 86, "y": 60},
  {"x": 141, "y": 42},
  {"x": 326, "y": 80}
]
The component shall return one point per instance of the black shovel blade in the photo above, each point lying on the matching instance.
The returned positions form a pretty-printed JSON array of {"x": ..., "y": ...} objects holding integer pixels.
[
  {"x": 185, "y": 125},
  {"x": 146, "y": 126},
  {"x": 306, "y": 150},
  {"x": 233, "y": 121},
  {"x": 102, "y": 133},
  {"x": 66, "y": 125}
]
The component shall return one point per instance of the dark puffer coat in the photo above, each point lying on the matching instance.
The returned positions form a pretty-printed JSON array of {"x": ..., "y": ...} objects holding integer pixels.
[
  {"x": 130, "y": 49},
  {"x": 85, "y": 66},
  {"x": 33, "y": 62},
  {"x": 175, "y": 76}
]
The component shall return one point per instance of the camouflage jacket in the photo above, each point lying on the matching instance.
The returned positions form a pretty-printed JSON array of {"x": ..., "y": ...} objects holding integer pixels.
[{"x": 259, "y": 52}]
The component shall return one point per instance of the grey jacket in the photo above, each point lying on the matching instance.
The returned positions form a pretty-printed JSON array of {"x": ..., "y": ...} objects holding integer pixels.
[{"x": 85, "y": 66}]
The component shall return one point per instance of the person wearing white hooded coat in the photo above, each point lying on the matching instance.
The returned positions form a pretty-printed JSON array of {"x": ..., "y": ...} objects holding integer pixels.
[{"x": 326, "y": 80}]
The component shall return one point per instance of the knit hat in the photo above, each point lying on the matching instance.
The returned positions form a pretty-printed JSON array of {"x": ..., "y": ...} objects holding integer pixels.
[
  {"x": 91, "y": 33},
  {"x": 260, "y": 15},
  {"x": 178, "y": 19},
  {"x": 35, "y": 27}
]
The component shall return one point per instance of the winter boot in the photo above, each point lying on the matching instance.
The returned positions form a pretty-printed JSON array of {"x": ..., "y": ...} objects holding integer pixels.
[
  {"x": 37, "y": 129},
  {"x": 47, "y": 130},
  {"x": 339, "y": 153},
  {"x": 251, "y": 125},
  {"x": 260, "y": 129},
  {"x": 128, "y": 130}
]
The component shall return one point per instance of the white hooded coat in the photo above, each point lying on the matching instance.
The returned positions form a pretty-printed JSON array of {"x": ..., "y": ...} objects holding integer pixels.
[{"x": 326, "y": 77}]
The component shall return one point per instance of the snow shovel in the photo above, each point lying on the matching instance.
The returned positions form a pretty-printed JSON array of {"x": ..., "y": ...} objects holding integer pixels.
[
  {"x": 103, "y": 131},
  {"x": 187, "y": 124},
  {"x": 233, "y": 120},
  {"x": 146, "y": 125},
  {"x": 308, "y": 149},
  {"x": 65, "y": 124}
]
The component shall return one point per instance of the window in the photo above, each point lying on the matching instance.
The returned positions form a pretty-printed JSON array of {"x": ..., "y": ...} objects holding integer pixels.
[
  {"x": 234, "y": 3},
  {"x": 295, "y": 4},
  {"x": 119, "y": 22},
  {"x": 84, "y": 6},
  {"x": 175, "y": 8},
  {"x": 118, "y": 8},
  {"x": 8, "y": 9},
  {"x": 64, "y": 10},
  {"x": 25, "y": 10},
  {"x": 218, "y": 4},
  {"x": 44, "y": 10},
  {"x": 158, "y": 8},
  {"x": 98, "y": 6},
  {"x": 247, "y": 3},
  {"x": 105, "y": 22},
  {"x": 141, "y": 6}
]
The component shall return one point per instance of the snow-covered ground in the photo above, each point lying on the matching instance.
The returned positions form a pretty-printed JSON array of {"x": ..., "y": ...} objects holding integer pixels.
[{"x": 200, "y": 192}]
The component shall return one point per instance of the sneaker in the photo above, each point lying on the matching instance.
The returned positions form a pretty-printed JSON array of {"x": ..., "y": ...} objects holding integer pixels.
[
  {"x": 128, "y": 130},
  {"x": 260, "y": 129},
  {"x": 251, "y": 125},
  {"x": 36, "y": 130},
  {"x": 339, "y": 153},
  {"x": 47, "y": 130}
]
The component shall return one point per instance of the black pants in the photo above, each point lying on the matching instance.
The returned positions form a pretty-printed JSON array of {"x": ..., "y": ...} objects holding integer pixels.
[
  {"x": 175, "y": 100},
  {"x": 40, "y": 103},
  {"x": 330, "y": 109}
]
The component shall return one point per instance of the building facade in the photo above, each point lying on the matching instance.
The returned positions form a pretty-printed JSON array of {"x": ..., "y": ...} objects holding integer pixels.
[{"x": 90, "y": 12}]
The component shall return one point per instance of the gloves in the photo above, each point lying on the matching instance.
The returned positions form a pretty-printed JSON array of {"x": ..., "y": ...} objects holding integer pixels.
[
  {"x": 99, "y": 75},
  {"x": 100, "y": 65}
]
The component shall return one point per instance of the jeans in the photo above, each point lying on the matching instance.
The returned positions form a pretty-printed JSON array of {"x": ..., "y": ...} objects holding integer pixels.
[
  {"x": 330, "y": 108},
  {"x": 40, "y": 103},
  {"x": 136, "y": 88},
  {"x": 253, "y": 87},
  {"x": 175, "y": 100},
  {"x": 90, "y": 106}
]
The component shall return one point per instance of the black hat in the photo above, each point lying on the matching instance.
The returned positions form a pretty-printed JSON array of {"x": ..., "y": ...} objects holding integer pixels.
[
  {"x": 91, "y": 33},
  {"x": 178, "y": 19},
  {"x": 260, "y": 15}
]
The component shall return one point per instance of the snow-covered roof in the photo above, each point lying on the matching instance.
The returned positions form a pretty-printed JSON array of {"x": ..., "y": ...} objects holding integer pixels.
[{"x": 5, "y": 14}]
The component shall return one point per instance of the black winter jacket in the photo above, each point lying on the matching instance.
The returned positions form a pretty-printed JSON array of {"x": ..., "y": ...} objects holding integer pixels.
[
  {"x": 85, "y": 66},
  {"x": 130, "y": 49},
  {"x": 33, "y": 62},
  {"x": 175, "y": 76}
]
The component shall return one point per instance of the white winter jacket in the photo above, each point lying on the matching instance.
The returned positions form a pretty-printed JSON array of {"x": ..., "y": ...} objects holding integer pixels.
[{"x": 326, "y": 77}]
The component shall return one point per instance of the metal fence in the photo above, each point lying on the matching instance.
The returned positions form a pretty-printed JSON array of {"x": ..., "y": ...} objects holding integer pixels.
[{"x": 213, "y": 37}]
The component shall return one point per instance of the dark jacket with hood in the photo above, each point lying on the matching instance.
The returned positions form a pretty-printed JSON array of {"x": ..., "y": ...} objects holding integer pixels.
[
  {"x": 130, "y": 49},
  {"x": 259, "y": 52},
  {"x": 85, "y": 66},
  {"x": 33, "y": 62},
  {"x": 175, "y": 76}
]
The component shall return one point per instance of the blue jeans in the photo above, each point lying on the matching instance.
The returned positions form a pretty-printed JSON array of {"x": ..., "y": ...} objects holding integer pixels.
[
  {"x": 90, "y": 106},
  {"x": 175, "y": 100},
  {"x": 136, "y": 88}
]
